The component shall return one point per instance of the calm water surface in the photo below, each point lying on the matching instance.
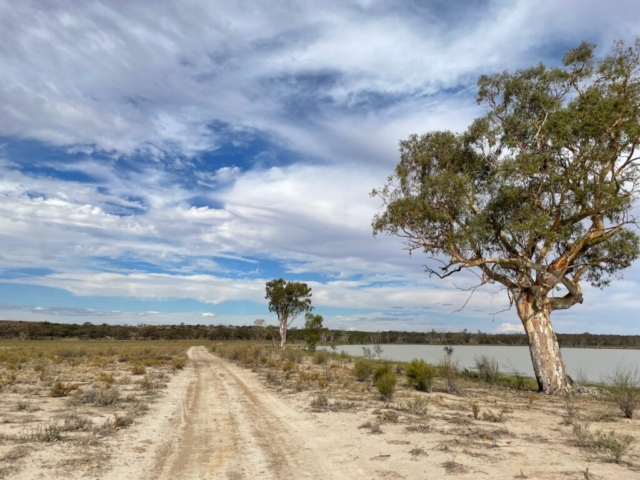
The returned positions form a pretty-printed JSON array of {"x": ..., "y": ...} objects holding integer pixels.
[{"x": 594, "y": 363}]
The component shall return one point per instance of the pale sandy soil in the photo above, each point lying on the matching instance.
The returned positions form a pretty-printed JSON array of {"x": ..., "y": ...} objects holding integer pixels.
[{"x": 217, "y": 420}]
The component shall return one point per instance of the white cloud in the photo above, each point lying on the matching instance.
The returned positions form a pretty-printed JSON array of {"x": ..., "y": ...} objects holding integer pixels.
[
  {"x": 208, "y": 315},
  {"x": 510, "y": 328},
  {"x": 122, "y": 76}
]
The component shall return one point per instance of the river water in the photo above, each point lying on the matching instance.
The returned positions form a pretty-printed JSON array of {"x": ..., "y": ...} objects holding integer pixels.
[{"x": 594, "y": 364}]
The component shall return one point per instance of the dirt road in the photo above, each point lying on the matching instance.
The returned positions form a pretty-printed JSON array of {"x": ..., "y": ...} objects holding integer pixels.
[{"x": 229, "y": 426}]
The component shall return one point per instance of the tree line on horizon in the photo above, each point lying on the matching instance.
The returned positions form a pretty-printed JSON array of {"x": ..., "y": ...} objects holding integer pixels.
[{"x": 27, "y": 330}]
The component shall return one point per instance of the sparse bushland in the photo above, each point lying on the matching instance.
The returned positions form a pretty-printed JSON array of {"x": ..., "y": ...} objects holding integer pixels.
[
  {"x": 451, "y": 410},
  {"x": 76, "y": 385}
]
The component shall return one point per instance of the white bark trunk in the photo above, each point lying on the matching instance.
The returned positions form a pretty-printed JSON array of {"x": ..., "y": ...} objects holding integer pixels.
[
  {"x": 548, "y": 366},
  {"x": 283, "y": 335}
]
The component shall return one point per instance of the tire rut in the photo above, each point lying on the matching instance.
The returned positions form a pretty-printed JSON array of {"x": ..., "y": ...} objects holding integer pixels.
[{"x": 228, "y": 432}]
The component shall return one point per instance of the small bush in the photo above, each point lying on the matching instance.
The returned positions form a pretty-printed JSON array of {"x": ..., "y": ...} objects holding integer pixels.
[
  {"x": 386, "y": 385},
  {"x": 420, "y": 375},
  {"x": 288, "y": 366},
  {"x": 122, "y": 421},
  {"x": 147, "y": 384},
  {"x": 380, "y": 371},
  {"x": 362, "y": 369},
  {"x": 101, "y": 397},
  {"x": 320, "y": 403},
  {"x": 107, "y": 378},
  {"x": 418, "y": 406},
  {"x": 489, "y": 369},
  {"x": 177, "y": 363},
  {"x": 60, "y": 389},
  {"x": 320, "y": 357},
  {"x": 626, "y": 389},
  {"x": 475, "y": 409},
  {"x": 490, "y": 416},
  {"x": 292, "y": 355},
  {"x": 611, "y": 445},
  {"x": 22, "y": 405},
  {"x": 374, "y": 428},
  {"x": 614, "y": 445},
  {"x": 138, "y": 369},
  {"x": 448, "y": 369},
  {"x": 47, "y": 433},
  {"x": 75, "y": 422}
]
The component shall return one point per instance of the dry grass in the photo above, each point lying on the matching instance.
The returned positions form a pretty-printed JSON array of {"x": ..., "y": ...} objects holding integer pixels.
[{"x": 58, "y": 392}]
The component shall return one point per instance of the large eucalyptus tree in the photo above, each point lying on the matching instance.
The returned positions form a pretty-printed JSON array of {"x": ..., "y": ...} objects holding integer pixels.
[{"x": 536, "y": 195}]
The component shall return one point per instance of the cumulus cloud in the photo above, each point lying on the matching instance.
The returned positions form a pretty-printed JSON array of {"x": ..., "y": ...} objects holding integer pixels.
[
  {"x": 510, "y": 328},
  {"x": 208, "y": 315}
]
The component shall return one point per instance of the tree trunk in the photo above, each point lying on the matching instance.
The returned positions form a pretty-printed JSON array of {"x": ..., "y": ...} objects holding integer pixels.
[
  {"x": 283, "y": 335},
  {"x": 548, "y": 367}
]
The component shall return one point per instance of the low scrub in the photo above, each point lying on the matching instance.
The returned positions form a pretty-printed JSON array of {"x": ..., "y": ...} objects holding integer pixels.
[
  {"x": 321, "y": 357},
  {"x": 420, "y": 375},
  {"x": 362, "y": 369},
  {"x": 101, "y": 397},
  {"x": 320, "y": 403},
  {"x": 625, "y": 383},
  {"x": 449, "y": 371},
  {"x": 488, "y": 369},
  {"x": 417, "y": 406},
  {"x": 60, "y": 389},
  {"x": 612, "y": 446}
]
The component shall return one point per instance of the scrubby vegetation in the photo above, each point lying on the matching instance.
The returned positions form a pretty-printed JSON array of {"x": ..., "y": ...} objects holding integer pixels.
[{"x": 79, "y": 392}]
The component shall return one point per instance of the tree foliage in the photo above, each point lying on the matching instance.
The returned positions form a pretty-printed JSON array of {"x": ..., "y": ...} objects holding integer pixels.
[
  {"x": 287, "y": 300},
  {"x": 313, "y": 328},
  {"x": 537, "y": 194}
]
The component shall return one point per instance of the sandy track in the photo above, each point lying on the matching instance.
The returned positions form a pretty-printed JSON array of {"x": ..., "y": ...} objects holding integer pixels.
[{"x": 228, "y": 426}]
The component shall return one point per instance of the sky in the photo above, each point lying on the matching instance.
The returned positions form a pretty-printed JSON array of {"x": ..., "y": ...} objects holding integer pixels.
[{"x": 160, "y": 160}]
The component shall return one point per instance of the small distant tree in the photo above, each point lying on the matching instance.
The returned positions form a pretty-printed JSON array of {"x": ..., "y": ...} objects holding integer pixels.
[
  {"x": 537, "y": 195},
  {"x": 313, "y": 327},
  {"x": 260, "y": 332},
  {"x": 287, "y": 300}
]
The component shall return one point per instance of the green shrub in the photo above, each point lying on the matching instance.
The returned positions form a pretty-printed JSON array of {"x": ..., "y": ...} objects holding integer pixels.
[
  {"x": 362, "y": 369},
  {"x": 386, "y": 384},
  {"x": 420, "y": 375},
  {"x": 380, "y": 371}
]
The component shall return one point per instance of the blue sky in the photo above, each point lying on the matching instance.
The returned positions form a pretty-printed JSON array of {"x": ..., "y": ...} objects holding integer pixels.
[{"x": 160, "y": 161}]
